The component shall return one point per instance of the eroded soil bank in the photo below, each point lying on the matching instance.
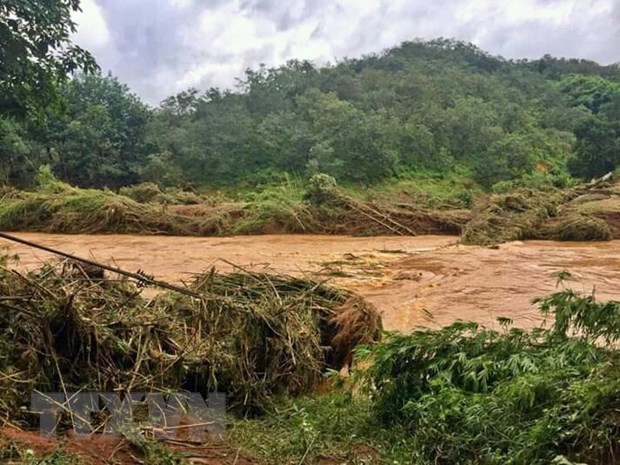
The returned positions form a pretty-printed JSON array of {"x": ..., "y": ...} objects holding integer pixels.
[{"x": 407, "y": 278}]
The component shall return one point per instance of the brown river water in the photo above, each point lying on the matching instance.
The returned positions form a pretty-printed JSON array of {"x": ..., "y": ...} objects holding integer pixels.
[{"x": 413, "y": 281}]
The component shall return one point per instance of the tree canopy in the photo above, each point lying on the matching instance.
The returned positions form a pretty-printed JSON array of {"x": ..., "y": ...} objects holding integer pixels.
[
  {"x": 423, "y": 107},
  {"x": 36, "y": 53}
]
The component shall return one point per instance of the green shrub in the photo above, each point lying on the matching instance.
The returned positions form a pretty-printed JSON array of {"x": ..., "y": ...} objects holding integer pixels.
[
  {"x": 473, "y": 395},
  {"x": 276, "y": 209},
  {"x": 47, "y": 182},
  {"x": 322, "y": 188}
]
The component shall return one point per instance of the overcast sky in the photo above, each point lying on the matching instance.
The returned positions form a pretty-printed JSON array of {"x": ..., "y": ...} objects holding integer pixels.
[{"x": 160, "y": 47}]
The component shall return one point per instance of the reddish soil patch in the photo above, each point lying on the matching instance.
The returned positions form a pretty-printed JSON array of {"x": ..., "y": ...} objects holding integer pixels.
[
  {"x": 111, "y": 450},
  {"x": 96, "y": 450}
]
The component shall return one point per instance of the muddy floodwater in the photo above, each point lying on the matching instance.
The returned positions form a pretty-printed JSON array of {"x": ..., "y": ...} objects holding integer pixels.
[{"x": 413, "y": 281}]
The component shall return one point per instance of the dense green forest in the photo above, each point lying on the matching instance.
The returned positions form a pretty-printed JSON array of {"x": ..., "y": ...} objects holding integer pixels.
[{"x": 422, "y": 109}]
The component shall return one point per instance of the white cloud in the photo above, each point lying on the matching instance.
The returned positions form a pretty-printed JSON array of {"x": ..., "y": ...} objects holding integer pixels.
[
  {"x": 164, "y": 46},
  {"x": 93, "y": 32}
]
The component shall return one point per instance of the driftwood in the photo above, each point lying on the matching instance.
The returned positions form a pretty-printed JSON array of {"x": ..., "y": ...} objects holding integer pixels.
[
  {"x": 377, "y": 217},
  {"x": 601, "y": 180}
]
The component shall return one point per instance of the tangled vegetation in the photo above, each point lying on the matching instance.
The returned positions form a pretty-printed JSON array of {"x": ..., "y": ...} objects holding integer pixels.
[
  {"x": 320, "y": 205},
  {"x": 459, "y": 394},
  {"x": 148, "y": 192},
  {"x": 581, "y": 213},
  {"x": 583, "y": 228},
  {"x": 510, "y": 217},
  {"x": 290, "y": 207},
  {"x": 253, "y": 336}
]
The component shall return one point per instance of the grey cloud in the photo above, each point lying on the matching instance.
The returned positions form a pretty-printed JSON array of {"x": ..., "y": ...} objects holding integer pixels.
[
  {"x": 160, "y": 47},
  {"x": 284, "y": 14},
  {"x": 593, "y": 37},
  {"x": 146, "y": 39}
]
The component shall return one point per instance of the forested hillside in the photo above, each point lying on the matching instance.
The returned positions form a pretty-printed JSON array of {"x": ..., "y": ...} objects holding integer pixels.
[{"x": 421, "y": 109}]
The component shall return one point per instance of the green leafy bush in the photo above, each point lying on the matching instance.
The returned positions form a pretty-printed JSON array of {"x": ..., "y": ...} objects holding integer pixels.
[
  {"x": 472, "y": 395},
  {"x": 322, "y": 188}
]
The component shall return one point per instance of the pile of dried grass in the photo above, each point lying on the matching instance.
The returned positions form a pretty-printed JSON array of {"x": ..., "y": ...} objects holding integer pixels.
[
  {"x": 253, "y": 336},
  {"x": 148, "y": 192},
  {"x": 582, "y": 228},
  {"x": 89, "y": 211},
  {"x": 509, "y": 217}
]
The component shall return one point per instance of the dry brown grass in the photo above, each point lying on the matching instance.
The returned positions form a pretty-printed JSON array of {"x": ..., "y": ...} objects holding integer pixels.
[{"x": 253, "y": 336}]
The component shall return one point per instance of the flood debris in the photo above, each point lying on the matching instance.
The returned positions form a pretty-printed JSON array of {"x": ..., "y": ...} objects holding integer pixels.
[
  {"x": 252, "y": 336},
  {"x": 510, "y": 217},
  {"x": 578, "y": 227},
  {"x": 321, "y": 208},
  {"x": 590, "y": 212}
]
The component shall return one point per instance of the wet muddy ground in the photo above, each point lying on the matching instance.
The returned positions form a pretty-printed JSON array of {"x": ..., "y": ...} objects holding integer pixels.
[{"x": 414, "y": 281}]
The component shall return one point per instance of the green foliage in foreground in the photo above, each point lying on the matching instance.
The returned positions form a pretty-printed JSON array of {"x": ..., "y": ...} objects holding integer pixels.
[
  {"x": 338, "y": 426},
  {"x": 462, "y": 394},
  {"x": 469, "y": 394},
  {"x": 465, "y": 394}
]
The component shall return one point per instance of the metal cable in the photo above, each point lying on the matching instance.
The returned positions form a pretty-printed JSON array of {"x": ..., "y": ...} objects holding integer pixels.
[{"x": 139, "y": 276}]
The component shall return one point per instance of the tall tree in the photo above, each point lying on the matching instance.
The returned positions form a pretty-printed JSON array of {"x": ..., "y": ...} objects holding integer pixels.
[
  {"x": 598, "y": 148},
  {"x": 100, "y": 140},
  {"x": 15, "y": 168},
  {"x": 36, "y": 53}
]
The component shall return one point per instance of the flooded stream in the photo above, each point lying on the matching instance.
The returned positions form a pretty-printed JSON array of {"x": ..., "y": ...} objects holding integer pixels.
[{"x": 413, "y": 281}]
